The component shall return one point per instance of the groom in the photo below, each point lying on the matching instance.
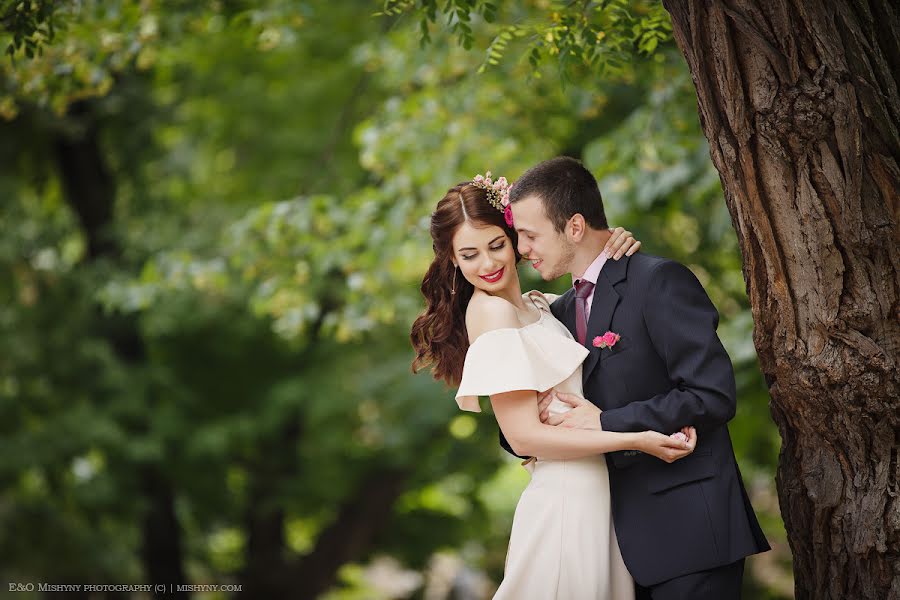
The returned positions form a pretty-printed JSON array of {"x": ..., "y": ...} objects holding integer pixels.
[{"x": 683, "y": 528}]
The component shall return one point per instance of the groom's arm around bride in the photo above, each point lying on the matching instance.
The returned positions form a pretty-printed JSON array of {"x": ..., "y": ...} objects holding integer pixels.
[{"x": 680, "y": 322}]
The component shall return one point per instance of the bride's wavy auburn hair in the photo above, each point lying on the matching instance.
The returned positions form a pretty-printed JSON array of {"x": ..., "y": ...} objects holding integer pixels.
[{"x": 439, "y": 334}]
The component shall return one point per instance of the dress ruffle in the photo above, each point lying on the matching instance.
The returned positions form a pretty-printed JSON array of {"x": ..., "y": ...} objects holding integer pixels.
[{"x": 533, "y": 357}]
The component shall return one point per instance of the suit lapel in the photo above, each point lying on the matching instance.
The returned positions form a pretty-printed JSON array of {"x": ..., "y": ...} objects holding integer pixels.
[
  {"x": 568, "y": 314},
  {"x": 603, "y": 306}
]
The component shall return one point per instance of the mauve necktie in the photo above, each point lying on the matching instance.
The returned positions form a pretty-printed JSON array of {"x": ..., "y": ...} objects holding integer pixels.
[{"x": 583, "y": 289}]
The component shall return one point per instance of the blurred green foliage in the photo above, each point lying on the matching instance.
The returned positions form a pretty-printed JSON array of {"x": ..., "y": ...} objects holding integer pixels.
[{"x": 273, "y": 168}]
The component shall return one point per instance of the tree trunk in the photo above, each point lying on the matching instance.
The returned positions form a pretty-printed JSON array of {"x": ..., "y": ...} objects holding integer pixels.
[
  {"x": 350, "y": 536},
  {"x": 800, "y": 105},
  {"x": 90, "y": 191},
  {"x": 266, "y": 571}
]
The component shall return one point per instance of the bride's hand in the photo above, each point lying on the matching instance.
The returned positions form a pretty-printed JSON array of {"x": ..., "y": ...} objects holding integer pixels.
[
  {"x": 669, "y": 447},
  {"x": 621, "y": 243}
]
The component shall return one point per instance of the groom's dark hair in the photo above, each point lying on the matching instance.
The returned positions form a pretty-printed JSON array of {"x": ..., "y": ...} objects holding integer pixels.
[{"x": 565, "y": 187}]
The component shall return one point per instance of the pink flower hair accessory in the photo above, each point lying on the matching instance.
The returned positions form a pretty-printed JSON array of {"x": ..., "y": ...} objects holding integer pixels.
[
  {"x": 607, "y": 340},
  {"x": 497, "y": 193}
]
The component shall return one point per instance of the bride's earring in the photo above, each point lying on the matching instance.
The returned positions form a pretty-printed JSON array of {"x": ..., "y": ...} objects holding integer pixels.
[{"x": 453, "y": 289}]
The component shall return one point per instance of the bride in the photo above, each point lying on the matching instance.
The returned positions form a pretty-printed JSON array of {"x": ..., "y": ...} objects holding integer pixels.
[{"x": 481, "y": 333}]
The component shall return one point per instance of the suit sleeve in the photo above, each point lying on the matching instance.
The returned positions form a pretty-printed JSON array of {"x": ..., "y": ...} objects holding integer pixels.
[{"x": 681, "y": 322}]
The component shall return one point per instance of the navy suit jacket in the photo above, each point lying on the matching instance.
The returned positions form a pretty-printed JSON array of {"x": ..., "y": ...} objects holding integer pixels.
[{"x": 668, "y": 370}]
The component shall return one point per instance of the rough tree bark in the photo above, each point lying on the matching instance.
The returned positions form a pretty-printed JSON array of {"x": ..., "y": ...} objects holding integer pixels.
[{"x": 800, "y": 105}]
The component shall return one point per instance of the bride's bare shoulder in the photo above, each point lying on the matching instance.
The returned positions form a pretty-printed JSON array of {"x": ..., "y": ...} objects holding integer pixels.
[{"x": 486, "y": 313}]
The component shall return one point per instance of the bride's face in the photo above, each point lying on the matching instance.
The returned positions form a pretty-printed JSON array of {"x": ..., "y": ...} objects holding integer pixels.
[{"x": 485, "y": 256}]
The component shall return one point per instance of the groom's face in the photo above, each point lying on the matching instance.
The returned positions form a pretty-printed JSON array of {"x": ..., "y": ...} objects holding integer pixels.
[{"x": 549, "y": 251}]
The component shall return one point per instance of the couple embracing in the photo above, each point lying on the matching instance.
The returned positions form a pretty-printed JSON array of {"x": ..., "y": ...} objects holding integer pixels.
[{"x": 617, "y": 393}]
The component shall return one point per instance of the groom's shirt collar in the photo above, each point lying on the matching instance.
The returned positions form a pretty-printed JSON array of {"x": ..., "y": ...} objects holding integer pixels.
[
  {"x": 593, "y": 271},
  {"x": 591, "y": 274}
]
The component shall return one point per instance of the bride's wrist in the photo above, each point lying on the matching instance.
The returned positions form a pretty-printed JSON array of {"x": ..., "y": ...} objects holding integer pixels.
[{"x": 640, "y": 441}]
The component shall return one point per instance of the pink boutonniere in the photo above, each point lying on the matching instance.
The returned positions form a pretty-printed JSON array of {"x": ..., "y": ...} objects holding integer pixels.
[{"x": 607, "y": 340}]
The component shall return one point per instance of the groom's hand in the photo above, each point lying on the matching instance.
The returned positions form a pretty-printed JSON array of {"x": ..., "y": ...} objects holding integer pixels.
[
  {"x": 583, "y": 415},
  {"x": 544, "y": 400}
]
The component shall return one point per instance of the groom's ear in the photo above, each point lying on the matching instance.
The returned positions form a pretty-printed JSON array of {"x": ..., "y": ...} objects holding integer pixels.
[{"x": 576, "y": 227}]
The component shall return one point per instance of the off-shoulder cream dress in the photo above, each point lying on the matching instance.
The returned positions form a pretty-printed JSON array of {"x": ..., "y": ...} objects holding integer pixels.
[{"x": 562, "y": 545}]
